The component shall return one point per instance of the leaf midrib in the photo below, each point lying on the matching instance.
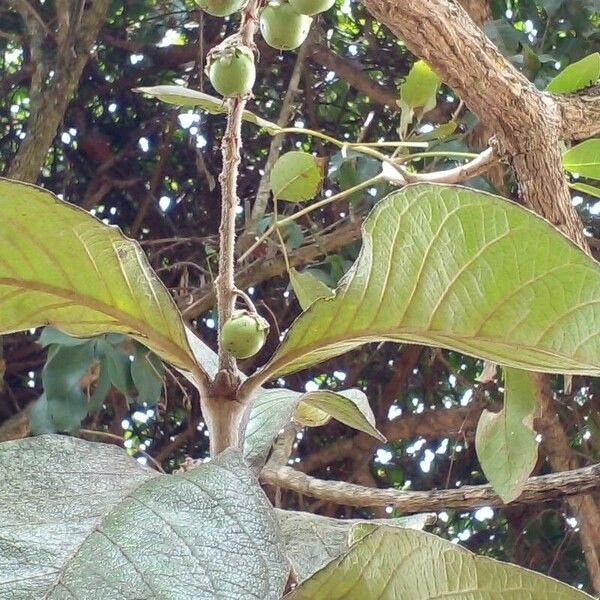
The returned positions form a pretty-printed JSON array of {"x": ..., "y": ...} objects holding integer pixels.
[{"x": 416, "y": 336}]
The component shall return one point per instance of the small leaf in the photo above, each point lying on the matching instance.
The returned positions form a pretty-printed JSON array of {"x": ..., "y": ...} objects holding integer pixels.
[
  {"x": 461, "y": 269},
  {"x": 576, "y": 76},
  {"x": 182, "y": 96},
  {"x": 118, "y": 367},
  {"x": 584, "y": 188},
  {"x": 584, "y": 159},
  {"x": 505, "y": 441},
  {"x": 80, "y": 276},
  {"x": 62, "y": 378},
  {"x": 40, "y": 419},
  {"x": 272, "y": 409},
  {"x": 307, "y": 287},
  {"x": 396, "y": 564},
  {"x": 420, "y": 87},
  {"x": 312, "y": 541},
  {"x": 350, "y": 407},
  {"x": 79, "y": 511},
  {"x": 147, "y": 372},
  {"x": 296, "y": 176}
]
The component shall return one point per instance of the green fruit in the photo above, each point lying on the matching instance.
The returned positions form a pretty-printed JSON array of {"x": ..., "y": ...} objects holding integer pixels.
[
  {"x": 221, "y": 8},
  {"x": 282, "y": 27},
  {"x": 244, "y": 334},
  {"x": 231, "y": 70},
  {"x": 311, "y": 7}
]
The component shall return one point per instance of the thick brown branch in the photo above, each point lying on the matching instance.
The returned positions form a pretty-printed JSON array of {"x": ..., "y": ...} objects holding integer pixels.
[
  {"x": 580, "y": 114},
  {"x": 538, "y": 489}
]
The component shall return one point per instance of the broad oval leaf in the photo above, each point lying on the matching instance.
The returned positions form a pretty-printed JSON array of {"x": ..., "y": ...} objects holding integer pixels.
[
  {"x": 420, "y": 87},
  {"x": 461, "y": 269},
  {"x": 81, "y": 276},
  {"x": 505, "y": 441},
  {"x": 296, "y": 176},
  {"x": 576, "y": 76},
  {"x": 182, "y": 96},
  {"x": 396, "y": 564},
  {"x": 312, "y": 541},
  {"x": 350, "y": 407},
  {"x": 584, "y": 159},
  {"x": 85, "y": 520}
]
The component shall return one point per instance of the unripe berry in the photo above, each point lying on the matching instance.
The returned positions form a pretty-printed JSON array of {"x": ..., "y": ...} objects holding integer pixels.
[
  {"x": 244, "y": 334},
  {"x": 282, "y": 27},
  {"x": 231, "y": 70}
]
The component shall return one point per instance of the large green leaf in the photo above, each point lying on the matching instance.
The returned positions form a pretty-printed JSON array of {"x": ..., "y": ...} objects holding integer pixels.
[
  {"x": 84, "y": 520},
  {"x": 80, "y": 276},
  {"x": 575, "y": 77},
  {"x": 505, "y": 441},
  {"x": 584, "y": 159},
  {"x": 404, "y": 564},
  {"x": 182, "y": 96},
  {"x": 312, "y": 541},
  {"x": 461, "y": 269}
]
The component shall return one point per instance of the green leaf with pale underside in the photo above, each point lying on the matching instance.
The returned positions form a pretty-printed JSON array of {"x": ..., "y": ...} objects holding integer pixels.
[
  {"x": 505, "y": 441},
  {"x": 85, "y": 520},
  {"x": 182, "y": 96},
  {"x": 575, "y": 77},
  {"x": 402, "y": 564},
  {"x": 584, "y": 159},
  {"x": 81, "y": 276},
  {"x": 456, "y": 268}
]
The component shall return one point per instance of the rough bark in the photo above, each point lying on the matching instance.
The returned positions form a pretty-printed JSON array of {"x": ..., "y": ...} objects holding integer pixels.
[
  {"x": 50, "y": 95},
  {"x": 538, "y": 489}
]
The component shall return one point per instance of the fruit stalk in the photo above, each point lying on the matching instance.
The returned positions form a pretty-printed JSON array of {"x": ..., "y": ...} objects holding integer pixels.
[{"x": 230, "y": 148}]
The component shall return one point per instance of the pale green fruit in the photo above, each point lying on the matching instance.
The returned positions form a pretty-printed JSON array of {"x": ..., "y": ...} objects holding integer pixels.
[
  {"x": 221, "y": 8},
  {"x": 244, "y": 334},
  {"x": 311, "y": 7},
  {"x": 232, "y": 71},
  {"x": 282, "y": 27}
]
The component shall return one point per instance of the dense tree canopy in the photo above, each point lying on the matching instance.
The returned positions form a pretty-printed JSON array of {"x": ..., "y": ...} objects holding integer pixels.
[{"x": 152, "y": 169}]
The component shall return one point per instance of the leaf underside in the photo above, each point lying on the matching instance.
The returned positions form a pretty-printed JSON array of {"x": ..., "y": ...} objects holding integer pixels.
[
  {"x": 505, "y": 441},
  {"x": 81, "y": 276},
  {"x": 456, "y": 268},
  {"x": 85, "y": 520},
  {"x": 312, "y": 541},
  {"x": 403, "y": 564}
]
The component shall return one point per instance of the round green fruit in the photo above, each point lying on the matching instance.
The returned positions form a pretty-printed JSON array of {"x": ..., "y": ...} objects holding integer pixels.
[
  {"x": 282, "y": 27},
  {"x": 231, "y": 71},
  {"x": 311, "y": 7},
  {"x": 244, "y": 334},
  {"x": 221, "y": 8}
]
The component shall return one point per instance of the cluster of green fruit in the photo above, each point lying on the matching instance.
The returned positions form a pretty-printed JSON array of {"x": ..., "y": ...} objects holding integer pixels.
[{"x": 284, "y": 25}]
